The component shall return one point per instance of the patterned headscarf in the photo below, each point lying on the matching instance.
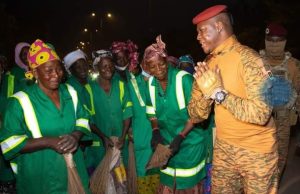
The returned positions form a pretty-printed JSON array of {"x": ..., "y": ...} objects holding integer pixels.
[
  {"x": 39, "y": 53},
  {"x": 97, "y": 55},
  {"x": 186, "y": 59},
  {"x": 158, "y": 48},
  {"x": 18, "y": 50},
  {"x": 130, "y": 47}
]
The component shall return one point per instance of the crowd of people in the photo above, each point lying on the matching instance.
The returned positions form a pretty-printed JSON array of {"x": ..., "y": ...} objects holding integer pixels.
[{"x": 226, "y": 120}]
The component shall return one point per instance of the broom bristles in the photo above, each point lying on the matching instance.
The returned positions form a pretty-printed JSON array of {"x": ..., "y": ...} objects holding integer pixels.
[
  {"x": 99, "y": 179},
  {"x": 132, "y": 177},
  {"x": 160, "y": 157},
  {"x": 74, "y": 183}
]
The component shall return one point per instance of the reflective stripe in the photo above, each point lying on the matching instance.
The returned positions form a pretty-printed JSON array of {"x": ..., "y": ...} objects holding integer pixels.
[
  {"x": 128, "y": 104},
  {"x": 12, "y": 142},
  {"x": 96, "y": 143},
  {"x": 74, "y": 96},
  {"x": 89, "y": 89},
  {"x": 184, "y": 172},
  {"x": 29, "y": 114},
  {"x": 10, "y": 84},
  {"x": 14, "y": 167},
  {"x": 152, "y": 92},
  {"x": 179, "y": 89},
  {"x": 150, "y": 110},
  {"x": 83, "y": 123},
  {"x": 121, "y": 87},
  {"x": 136, "y": 90}
]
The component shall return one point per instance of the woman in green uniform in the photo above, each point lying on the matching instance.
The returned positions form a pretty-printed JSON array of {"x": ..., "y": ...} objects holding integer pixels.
[
  {"x": 41, "y": 123},
  {"x": 113, "y": 107},
  {"x": 168, "y": 95},
  {"x": 7, "y": 179},
  {"x": 77, "y": 66},
  {"x": 141, "y": 128}
]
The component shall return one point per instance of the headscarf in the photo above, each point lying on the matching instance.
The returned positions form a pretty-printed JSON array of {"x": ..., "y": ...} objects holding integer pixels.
[
  {"x": 158, "y": 48},
  {"x": 18, "y": 50},
  {"x": 97, "y": 55},
  {"x": 72, "y": 57},
  {"x": 186, "y": 59},
  {"x": 39, "y": 53},
  {"x": 131, "y": 48}
]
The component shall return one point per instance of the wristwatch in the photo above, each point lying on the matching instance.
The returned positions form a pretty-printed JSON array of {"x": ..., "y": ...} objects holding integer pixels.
[{"x": 220, "y": 96}]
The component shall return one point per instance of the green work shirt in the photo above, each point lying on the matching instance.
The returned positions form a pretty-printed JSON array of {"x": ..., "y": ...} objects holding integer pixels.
[
  {"x": 84, "y": 94},
  {"x": 142, "y": 132},
  {"x": 111, "y": 109},
  {"x": 170, "y": 109},
  {"x": 43, "y": 171},
  {"x": 12, "y": 82}
]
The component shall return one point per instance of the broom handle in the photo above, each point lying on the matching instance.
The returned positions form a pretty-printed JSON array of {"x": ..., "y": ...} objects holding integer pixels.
[{"x": 69, "y": 160}]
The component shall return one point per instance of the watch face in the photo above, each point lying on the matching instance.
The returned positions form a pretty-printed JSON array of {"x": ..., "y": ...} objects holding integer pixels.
[{"x": 220, "y": 96}]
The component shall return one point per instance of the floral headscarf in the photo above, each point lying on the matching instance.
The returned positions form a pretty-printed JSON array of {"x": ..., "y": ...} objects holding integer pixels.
[
  {"x": 131, "y": 48},
  {"x": 39, "y": 53},
  {"x": 158, "y": 48}
]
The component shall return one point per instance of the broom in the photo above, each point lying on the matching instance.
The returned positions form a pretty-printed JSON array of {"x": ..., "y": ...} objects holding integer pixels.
[
  {"x": 160, "y": 157},
  {"x": 99, "y": 179},
  {"x": 74, "y": 183},
  {"x": 132, "y": 177}
]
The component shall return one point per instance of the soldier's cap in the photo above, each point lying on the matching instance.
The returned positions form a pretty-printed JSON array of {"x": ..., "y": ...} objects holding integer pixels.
[
  {"x": 275, "y": 29},
  {"x": 209, "y": 13}
]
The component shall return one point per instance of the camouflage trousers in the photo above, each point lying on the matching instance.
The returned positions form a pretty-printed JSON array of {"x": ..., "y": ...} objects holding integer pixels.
[
  {"x": 283, "y": 139},
  {"x": 236, "y": 170}
]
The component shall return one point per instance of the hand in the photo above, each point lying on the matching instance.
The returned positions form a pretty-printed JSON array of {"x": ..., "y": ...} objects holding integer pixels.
[
  {"x": 175, "y": 144},
  {"x": 107, "y": 142},
  {"x": 52, "y": 143},
  {"x": 156, "y": 138},
  {"x": 120, "y": 143},
  {"x": 68, "y": 143},
  {"x": 209, "y": 82}
]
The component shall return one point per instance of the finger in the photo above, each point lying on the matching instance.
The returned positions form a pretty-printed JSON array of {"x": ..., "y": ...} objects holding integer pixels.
[
  {"x": 62, "y": 140},
  {"x": 69, "y": 146},
  {"x": 73, "y": 149}
]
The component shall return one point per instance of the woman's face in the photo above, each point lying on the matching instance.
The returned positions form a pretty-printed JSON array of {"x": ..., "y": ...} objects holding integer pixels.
[
  {"x": 80, "y": 69},
  {"x": 158, "y": 67},
  {"x": 122, "y": 58},
  {"x": 23, "y": 55},
  {"x": 49, "y": 75},
  {"x": 106, "y": 68}
]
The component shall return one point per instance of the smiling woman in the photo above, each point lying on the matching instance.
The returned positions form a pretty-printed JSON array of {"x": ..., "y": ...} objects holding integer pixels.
[{"x": 41, "y": 123}]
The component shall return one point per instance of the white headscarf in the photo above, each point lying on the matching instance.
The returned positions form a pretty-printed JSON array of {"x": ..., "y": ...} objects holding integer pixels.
[
  {"x": 97, "y": 55},
  {"x": 18, "y": 50},
  {"x": 72, "y": 57}
]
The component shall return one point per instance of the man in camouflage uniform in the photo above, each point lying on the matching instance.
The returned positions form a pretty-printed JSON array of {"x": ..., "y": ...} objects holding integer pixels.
[
  {"x": 284, "y": 66},
  {"x": 245, "y": 152}
]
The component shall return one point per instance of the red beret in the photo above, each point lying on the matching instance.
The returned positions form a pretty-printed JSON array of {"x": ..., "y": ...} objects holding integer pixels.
[
  {"x": 274, "y": 29},
  {"x": 209, "y": 13}
]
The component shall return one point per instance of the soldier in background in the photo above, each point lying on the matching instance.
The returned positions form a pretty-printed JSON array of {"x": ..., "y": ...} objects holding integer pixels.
[{"x": 284, "y": 66}]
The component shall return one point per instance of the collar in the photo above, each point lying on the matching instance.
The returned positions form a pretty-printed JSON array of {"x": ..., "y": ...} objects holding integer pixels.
[
  {"x": 41, "y": 95},
  {"x": 225, "y": 46}
]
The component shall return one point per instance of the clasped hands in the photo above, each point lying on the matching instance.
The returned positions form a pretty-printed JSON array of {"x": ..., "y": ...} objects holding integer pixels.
[
  {"x": 64, "y": 144},
  {"x": 209, "y": 81}
]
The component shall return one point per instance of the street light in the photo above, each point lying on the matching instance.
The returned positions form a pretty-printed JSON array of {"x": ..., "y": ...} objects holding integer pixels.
[
  {"x": 93, "y": 14},
  {"x": 85, "y": 29}
]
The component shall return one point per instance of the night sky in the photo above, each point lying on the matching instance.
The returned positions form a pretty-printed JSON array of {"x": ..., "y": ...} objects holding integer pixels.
[{"x": 62, "y": 22}]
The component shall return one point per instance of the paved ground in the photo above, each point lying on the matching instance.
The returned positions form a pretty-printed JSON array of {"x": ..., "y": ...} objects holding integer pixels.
[{"x": 290, "y": 183}]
